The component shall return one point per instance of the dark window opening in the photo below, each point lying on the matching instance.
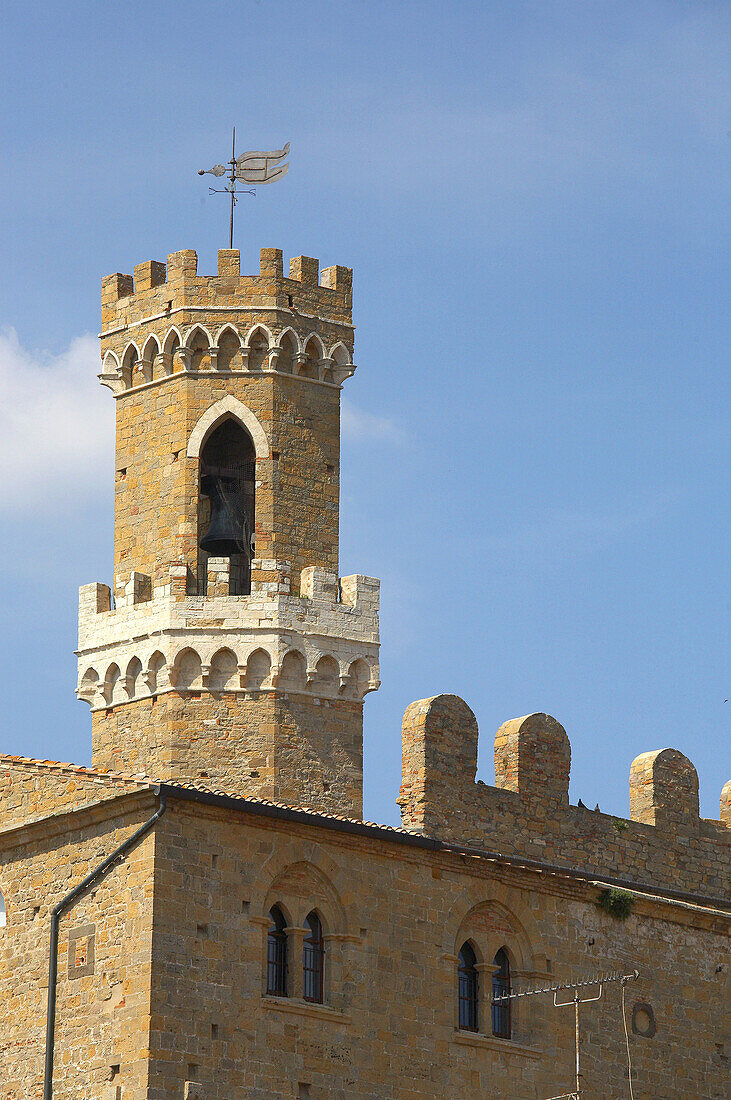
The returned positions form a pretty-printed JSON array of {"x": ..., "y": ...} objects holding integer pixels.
[
  {"x": 226, "y": 505},
  {"x": 500, "y": 988},
  {"x": 277, "y": 954},
  {"x": 468, "y": 989},
  {"x": 313, "y": 960}
]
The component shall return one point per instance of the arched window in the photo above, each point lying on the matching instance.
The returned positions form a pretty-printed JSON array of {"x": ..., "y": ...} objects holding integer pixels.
[
  {"x": 313, "y": 960},
  {"x": 226, "y": 505},
  {"x": 258, "y": 667},
  {"x": 229, "y": 347},
  {"x": 285, "y": 362},
  {"x": 501, "y": 987},
  {"x": 134, "y": 677},
  {"x": 468, "y": 989},
  {"x": 200, "y": 351},
  {"x": 258, "y": 350},
  {"x": 3, "y": 911},
  {"x": 277, "y": 954}
]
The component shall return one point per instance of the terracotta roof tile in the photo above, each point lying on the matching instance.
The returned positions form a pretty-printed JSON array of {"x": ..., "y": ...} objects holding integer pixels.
[{"x": 77, "y": 769}]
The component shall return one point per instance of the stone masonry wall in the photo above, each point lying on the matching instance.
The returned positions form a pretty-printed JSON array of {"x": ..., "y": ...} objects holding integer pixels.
[
  {"x": 394, "y": 919},
  {"x": 105, "y": 946},
  {"x": 156, "y": 484},
  {"x": 298, "y": 749},
  {"x": 29, "y": 791},
  {"x": 665, "y": 844}
]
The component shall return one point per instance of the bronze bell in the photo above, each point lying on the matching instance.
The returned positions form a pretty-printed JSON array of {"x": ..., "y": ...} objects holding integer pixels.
[{"x": 228, "y": 532}]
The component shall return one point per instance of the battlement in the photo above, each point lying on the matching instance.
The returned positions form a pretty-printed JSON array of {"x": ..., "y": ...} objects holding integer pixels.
[
  {"x": 527, "y": 813},
  {"x": 152, "y": 641},
  {"x": 165, "y": 321},
  {"x": 128, "y": 298}
]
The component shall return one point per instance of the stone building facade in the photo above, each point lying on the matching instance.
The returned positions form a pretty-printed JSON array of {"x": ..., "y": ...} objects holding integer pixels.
[{"x": 256, "y": 939}]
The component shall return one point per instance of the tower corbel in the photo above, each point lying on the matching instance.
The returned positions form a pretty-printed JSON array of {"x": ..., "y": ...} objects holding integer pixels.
[{"x": 112, "y": 380}]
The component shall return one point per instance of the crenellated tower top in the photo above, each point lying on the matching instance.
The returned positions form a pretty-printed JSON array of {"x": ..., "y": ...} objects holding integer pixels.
[
  {"x": 265, "y": 321},
  {"x": 226, "y": 604}
]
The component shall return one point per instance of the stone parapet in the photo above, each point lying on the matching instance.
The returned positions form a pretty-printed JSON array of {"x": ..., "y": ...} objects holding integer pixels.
[
  {"x": 163, "y": 322},
  {"x": 325, "y": 641},
  {"x": 127, "y": 298},
  {"x": 527, "y": 813}
]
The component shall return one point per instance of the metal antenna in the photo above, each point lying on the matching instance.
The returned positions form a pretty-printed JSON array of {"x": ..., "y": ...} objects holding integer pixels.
[
  {"x": 253, "y": 166},
  {"x": 601, "y": 980}
]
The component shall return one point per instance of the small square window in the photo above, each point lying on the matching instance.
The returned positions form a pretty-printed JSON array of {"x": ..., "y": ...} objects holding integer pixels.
[{"x": 81, "y": 951}]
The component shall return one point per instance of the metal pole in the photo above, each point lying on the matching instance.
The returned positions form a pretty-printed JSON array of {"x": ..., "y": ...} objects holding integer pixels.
[
  {"x": 578, "y": 1068},
  {"x": 233, "y": 184}
]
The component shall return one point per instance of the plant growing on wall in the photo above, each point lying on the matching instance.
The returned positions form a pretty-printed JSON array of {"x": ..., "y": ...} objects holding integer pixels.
[{"x": 618, "y": 903}]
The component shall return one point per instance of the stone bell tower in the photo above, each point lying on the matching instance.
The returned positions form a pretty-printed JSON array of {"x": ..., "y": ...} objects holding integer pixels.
[{"x": 229, "y": 652}]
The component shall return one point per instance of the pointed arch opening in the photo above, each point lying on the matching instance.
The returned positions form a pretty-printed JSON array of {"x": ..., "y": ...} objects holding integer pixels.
[
  {"x": 313, "y": 959},
  {"x": 188, "y": 671},
  {"x": 89, "y": 686},
  {"x": 229, "y": 350},
  {"x": 342, "y": 363},
  {"x": 134, "y": 678},
  {"x": 258, "y": 668},
  {"x": 200, "y": 350},
  {"x": 113, "y": 692},
  {"x": 3, "y": 911},
  {"x": 293, "y": 672},
  {"x": 226, "y": 504},
  {"x": 287, "y": 356},
  {"x": 171, "y": 345},
  {"x": 223, "y": 675},
  {"x": 129, "y": 361},
  {"x": 359, "y": 677},
  {"x": 311, "y": 366},
  {"x": 327, "y": 676},
  {"x": 258, "y": 349},
  {"x": 150, "y": 363},
  {"x": 157, "y": 673}
]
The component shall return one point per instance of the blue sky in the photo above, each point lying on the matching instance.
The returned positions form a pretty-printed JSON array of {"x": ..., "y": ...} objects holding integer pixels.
[{"x": 534, "y": 197}]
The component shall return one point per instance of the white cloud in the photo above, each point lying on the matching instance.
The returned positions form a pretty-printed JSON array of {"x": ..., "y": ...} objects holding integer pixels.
[
  {"x": 56, "y": 426},
  {"x": 358, "y": 426}
]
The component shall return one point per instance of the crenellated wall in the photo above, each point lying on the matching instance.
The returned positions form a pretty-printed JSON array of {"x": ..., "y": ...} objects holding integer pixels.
[
  {"x": 155, "y": 288},
  {"x": 261, "y": 694},
  {"x": 527, "y": 814}
]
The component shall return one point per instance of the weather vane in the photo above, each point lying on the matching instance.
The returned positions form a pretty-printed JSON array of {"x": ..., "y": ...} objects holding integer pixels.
[{"x": 251, "y": 167}]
